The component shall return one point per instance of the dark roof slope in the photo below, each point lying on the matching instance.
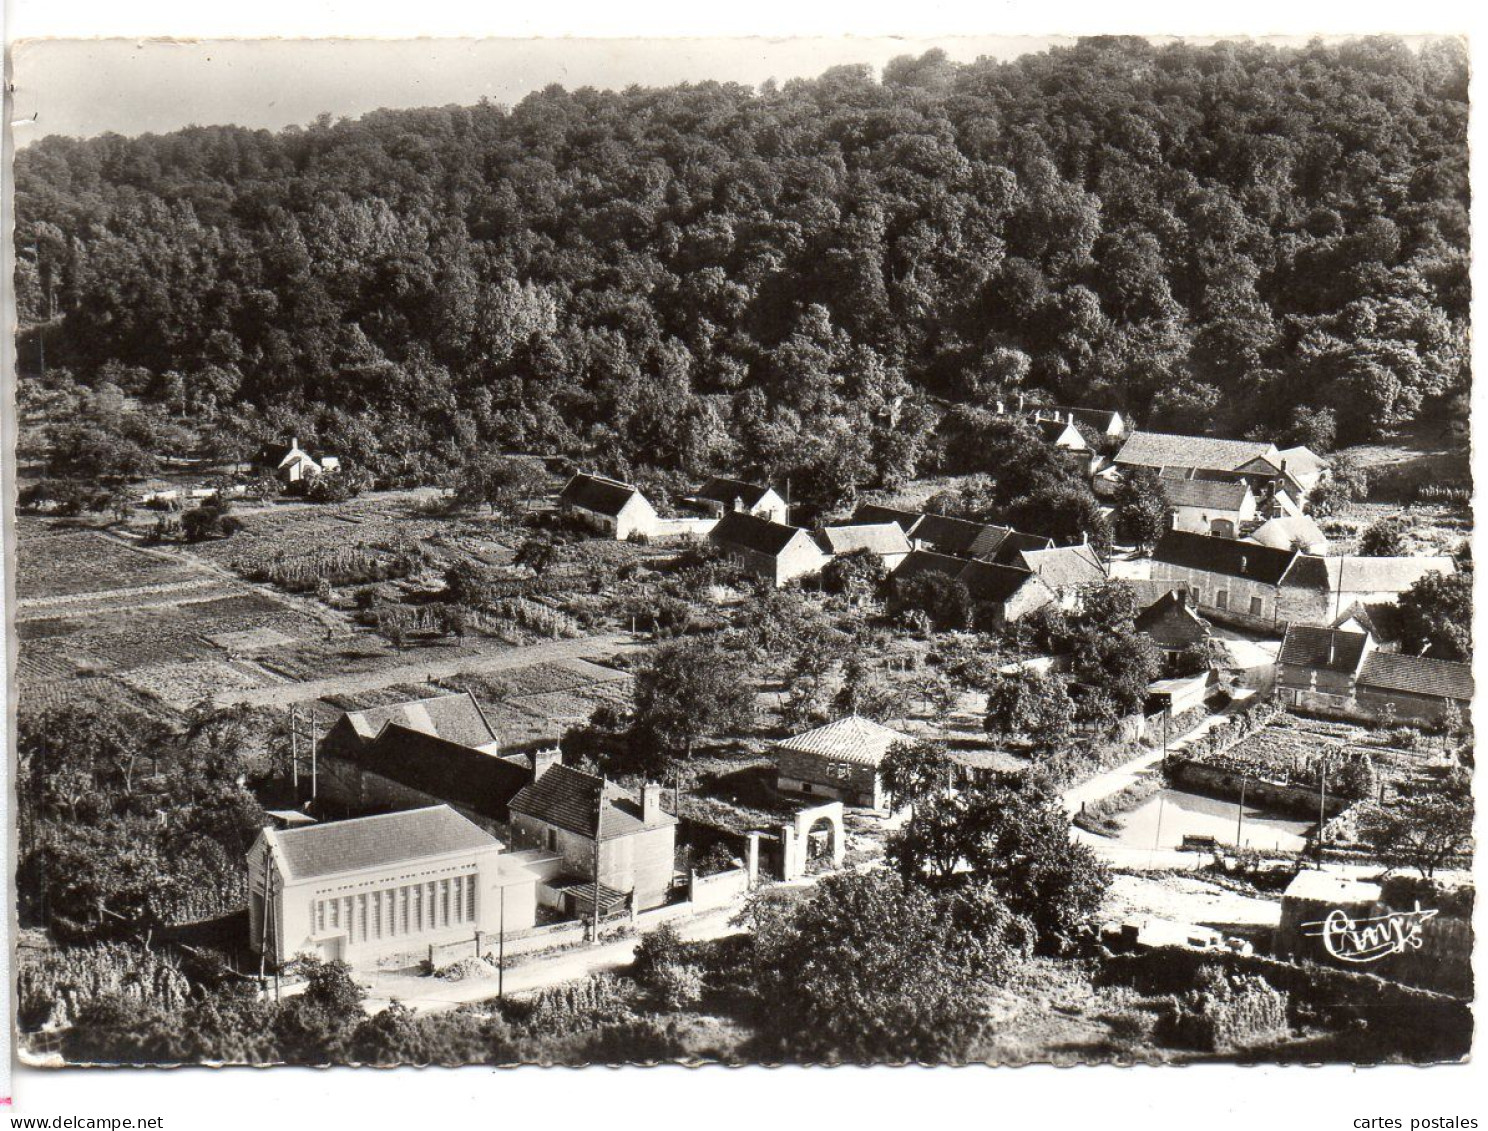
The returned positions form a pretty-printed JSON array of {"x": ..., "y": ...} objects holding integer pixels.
[
  {"x": 1417, "y": 675},
  {"x": 994, "y": 583},
  {"x": 1327, "y": 649},
  {"x": 959, "y": 536},
  {"x": 456, "y": 717},
  {"x": 597, "y": 494},
  {"x": 750, "y": 532},
  {"x": 719, "y": 489},
  {"x": 452, "y": 772},
  {"x": 871, "y": 514},
  {"x": 1172, "y": 622},
  {"x": 1205, "y": 493},
  {"x": 336, "y": 847},
  {"x": 927, "y": 561},
  {"x": 1223, "y": 555},
  {"x": 582, "y": 803}
]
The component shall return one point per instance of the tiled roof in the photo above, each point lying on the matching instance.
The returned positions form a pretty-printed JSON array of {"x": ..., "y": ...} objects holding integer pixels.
[
  {"x": 1417, "y": 675},
  {"x": 1053, "y": 430},
  {"x": 1100, "y": 420},
  {"x": 1327, "y": 649},
  {"x": 1380, "y": 618},
  {"x": 336, "y": 847},
  {"x": 927, "y": 561},
  {"x": 871, "y": 514},
  {"x": 1011, "y": 550},
  {"x": 450, "y": 771},
  {"x": 1065, "y": 566},
  {"x": 597, "y": 494},
  {"x": 958, "y": 536},
  {"x": 992, "y": 583},
  {"x": 455, "y": 717},
  {"x": 851, "y": 739},
  {"x": 1223, "y": 555},
  {"x": 1292, "y": 532},
  {"x": 1149, "y": 591},
  {"x": 881, "y": 538},
  {"x": 1172, "y": 622},
  {"x": 581, "y": 803},
  {"x": 1301, "y": 461},
  {"x": 725, "y": 491},
  {"x": 1164, "y": 449},
  {"x": 751, "y": 532},
  {"x": 1205, "y": 493},
  {"x": 1355, "y": 574}
]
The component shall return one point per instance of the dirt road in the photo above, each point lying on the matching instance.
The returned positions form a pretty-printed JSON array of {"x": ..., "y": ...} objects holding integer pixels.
[{"x": 597, "y": 648}]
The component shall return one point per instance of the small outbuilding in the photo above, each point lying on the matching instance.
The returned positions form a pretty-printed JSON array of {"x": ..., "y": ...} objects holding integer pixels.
[{"x": 838, "y": 761}]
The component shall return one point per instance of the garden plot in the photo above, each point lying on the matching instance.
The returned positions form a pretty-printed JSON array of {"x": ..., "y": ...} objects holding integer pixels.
[
  {"x": 65, "y": 565},
  {"x": 358, "y": 655},
  {"x": 251, "y": 640},
  {"x": 188, "y": 682}
]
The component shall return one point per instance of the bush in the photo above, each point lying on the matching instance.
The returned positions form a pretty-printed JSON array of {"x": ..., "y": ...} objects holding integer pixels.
[
  {"x": 1226, "y": 1012},
  {"x": 575, "y": 1006},
  {"x": 53, "y": 991}
]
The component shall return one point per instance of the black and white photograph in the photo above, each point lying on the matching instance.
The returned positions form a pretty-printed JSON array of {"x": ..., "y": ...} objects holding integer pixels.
[{"x": 750, "y": 552}]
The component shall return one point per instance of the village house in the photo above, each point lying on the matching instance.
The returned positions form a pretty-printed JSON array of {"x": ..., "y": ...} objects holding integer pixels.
[
  {"x": 1270, "y": 471},
  {"x": 360, "y": 890},
  {"x": 768, "y": 550},
  {"x": 1100, "y": 421},
  {"x": 1207, "y": 506},
  {"x": 608, "y": 505},
  {"x": 455, "y": 717},
  {"x": 837, "y": 762},
  {"x": 955, "y": 537},
  {"x": 292, "y": 464},
  {"x": 1333, "y": 671},
  {"x": 1317, "y": 589},
  {"x": 1291, "y": 532},
  {"x": 1001, "y": 594},
  {"x": 719, "y": 495},
  {"x": 885, "y": 540},
  {"x": 599, "y": 833},
  {"x": 1065, "y": 569},
  {"x": 1059, "y": 431},
  {"x": 1174, "y": 626}
]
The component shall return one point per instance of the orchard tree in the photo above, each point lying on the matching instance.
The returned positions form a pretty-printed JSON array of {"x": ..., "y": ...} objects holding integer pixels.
[
  {"x": 1436, "y": 616},
  {"x": 1030, "y": 706},
  {"x": 914, "y": 772},
  {"x": 1384, "y": 538},
  {"x": 684, "y": 692}
]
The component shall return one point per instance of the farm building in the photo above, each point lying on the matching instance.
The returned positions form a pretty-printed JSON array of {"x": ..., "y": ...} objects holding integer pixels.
[
  {"x": 602, "y": 833},
  {"x": 1316, "y": 668},
  {"x": 1207, "y": 506},
  {"x": 455, "y": 717},
  {"x": 719, "y": 496},
  {"x": 292, "y": 464},
  {"x": 363, "y": 889},
  {"x": 608, "y": 505},
  {"x": 1417, "y": 687},
  {"x": 885, "y": 540},
  {"x": 1002, "y": 594},
  {"x": 1228, "y": 579},
  {"x": 770, "y": 550},
  {"x": 1381, "y": 619},
  {"x": 1317, "y": 589},
  {"x": 1294, "y": 472},
  {"x": 1064, "y": 569},
  {"x": 1173, "y": 625},
  {"x": 1333, "y": 671},
  {"x": 871, "y": 514},
  {"x": 838, "y": 761}
]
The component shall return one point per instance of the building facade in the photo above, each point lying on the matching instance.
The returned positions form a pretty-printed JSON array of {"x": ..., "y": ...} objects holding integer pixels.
[{"x": 837, "y": 762}]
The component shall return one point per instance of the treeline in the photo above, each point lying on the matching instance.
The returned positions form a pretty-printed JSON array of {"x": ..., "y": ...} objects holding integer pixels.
[{"x": 1234, "y": 237}]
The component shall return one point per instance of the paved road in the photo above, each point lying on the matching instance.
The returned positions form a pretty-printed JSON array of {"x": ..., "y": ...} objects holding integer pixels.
[{"x": 419, "y": 671}]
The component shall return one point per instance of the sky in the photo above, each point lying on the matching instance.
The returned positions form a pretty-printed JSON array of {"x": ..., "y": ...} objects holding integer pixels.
[{"x": 83, "y": 88}]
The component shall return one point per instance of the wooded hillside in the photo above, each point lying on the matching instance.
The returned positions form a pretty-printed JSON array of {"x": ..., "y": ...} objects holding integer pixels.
[{"x": 1236, "y": 238}]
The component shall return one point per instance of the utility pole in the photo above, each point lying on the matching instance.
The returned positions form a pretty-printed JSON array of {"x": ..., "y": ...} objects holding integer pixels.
[
  {"x": 1240, "y": 817},
  {"x": 314, "y": 781},
  {"x": 501, "y": 947},
  {"x": 1322, "y": 807},
  {"x": 598, "y": 820},
  {"x": 294, "y": 752}
]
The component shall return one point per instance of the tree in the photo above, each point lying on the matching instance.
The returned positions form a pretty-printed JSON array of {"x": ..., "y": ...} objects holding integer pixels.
[
  {"x": 943, "y": 599},
  {"x": 1384, "y": 538},
  {"x": 913, "y": 772},
  {"x": 1141, "y": 507},
  {"x": 1031, "y": 706},
  {"x": 537, "y": 554},
  {"x": 1436, "y": 616},
  {"x": 499, "y": 482},
  {"x": 1346, "y": 482},
  {"x": 316, "y": 1026},
  {"x": 854, "y": 575},
  {"x": 684, "y": 692},
  {"x": 1425, "y": 831},
  {"x": 870, "y": 968}
]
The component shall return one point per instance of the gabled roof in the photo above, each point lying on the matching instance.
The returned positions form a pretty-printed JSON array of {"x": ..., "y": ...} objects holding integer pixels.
[
  {"x": 1380, "y": 619},
  {"x": 1065, "y": 566},
  {"x": 1165, "y": 449},
  {"x": 1297, "y": 532},
  {"x": 1326, "y": 649},
  {"x": 1053, "y": 431},
  {"x": 1011, "y": 550},
  {"x": 958, "y": 536},
  {"x": 1301, "y": 461},
  {"x": 881, "y": 538},
  {"x": 450, "y": 771},
  {"x": 1100, "y": 420},
  {"x": 1149, "y": 591},
  {"x": 1172, "y": 622},
  {"x": 851, "y": 739},
  {"x": 989, "y": 582},
  {"x": 582, "y": 803},
  {"x": 455, "y": 717},
  {"x": 927, "y": 561},
  {"x": 719, "y": 489},
  {"x": 597, "y": 494},
  {"x": 871, "y": 514},
  {"x": 1206, "y": 493},
  {"x": 750, "y": 532},
  {"x": 1223, "y": 555},
  {"x": 336, "y": 847},
  {"x": 1358, "y": 574},
  {"x": 1417, "y": 675}
]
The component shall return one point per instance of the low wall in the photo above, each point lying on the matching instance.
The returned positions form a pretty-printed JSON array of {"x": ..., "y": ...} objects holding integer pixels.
[
  {"x": 709, "y": 892},
  {"x": 681, "y": 527},
  {"x": 1224, "y": 783}
]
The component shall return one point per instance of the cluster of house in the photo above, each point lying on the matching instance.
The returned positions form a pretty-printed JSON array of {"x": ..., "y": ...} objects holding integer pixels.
[{"x": 449, "y": 834}]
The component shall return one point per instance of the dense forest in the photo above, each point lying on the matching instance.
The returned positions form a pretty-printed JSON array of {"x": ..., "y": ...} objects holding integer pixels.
[{"x": 795, "y": 280}]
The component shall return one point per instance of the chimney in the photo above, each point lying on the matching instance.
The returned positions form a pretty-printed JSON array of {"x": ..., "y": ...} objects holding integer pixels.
[
  {"x": 544, "y": 760},
  {"x": 738, "y": 503},
  {"x": 1020, "y": 402},
  {"x": 1001, "y": 408},
  {"x": 1072, "y": 416},
  {"x": 1243, "y": 561},
  {"x": 651, "y": 811},
  {"x": 294, "y": 443},
  {"x": 1332, "y": 647}
]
